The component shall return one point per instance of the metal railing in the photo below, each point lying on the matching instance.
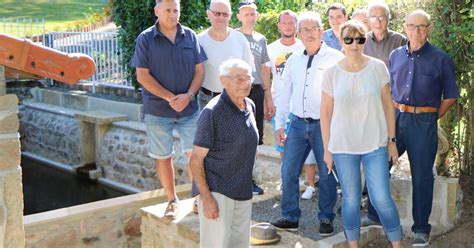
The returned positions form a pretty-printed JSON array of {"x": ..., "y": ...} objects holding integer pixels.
[
  {"x": 103, "y": 47},
  {"x": 31, "y": 28}
]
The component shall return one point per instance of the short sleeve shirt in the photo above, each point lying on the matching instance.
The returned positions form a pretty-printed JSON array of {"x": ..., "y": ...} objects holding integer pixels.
[
  {"x": 358, "y": 123},
  {"x": 172, "y": 65},
  {"x": 258, "y": 46},
  {"x": 234, "y": 46},
  {"x": 422, "y": 78},
  {"x": 231, "y": 136}
]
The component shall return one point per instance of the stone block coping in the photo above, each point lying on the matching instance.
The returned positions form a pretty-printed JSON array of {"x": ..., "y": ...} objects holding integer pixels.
[{"x": 100, "y": 117}]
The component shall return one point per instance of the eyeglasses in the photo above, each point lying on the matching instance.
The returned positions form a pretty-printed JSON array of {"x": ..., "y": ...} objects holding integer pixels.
[
  {"x": 217, "y": 13},
  {"x": 310, "y": 30},
  {"x": 350, "y": 40},
  {"x": 381, "y": 18},
  {"x": 421, "y": 27},
  {"x": 241, "y": 78}
]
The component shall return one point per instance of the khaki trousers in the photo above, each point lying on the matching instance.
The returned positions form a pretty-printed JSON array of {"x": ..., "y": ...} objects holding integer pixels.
[{"x": 231, "y": 229}]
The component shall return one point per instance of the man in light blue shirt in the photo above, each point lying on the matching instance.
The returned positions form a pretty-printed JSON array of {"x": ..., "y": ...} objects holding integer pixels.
[{"x": 337, "y": 16}]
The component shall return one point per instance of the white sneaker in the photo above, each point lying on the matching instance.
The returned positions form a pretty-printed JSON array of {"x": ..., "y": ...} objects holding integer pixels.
[{"x": 308, "y": 193}]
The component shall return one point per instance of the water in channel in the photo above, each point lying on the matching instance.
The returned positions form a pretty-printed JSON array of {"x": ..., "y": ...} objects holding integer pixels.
[{"x": 46, "y": 188}]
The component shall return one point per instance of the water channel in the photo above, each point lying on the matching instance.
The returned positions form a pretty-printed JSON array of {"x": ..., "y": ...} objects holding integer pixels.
[{"x": 46, "y": 188}]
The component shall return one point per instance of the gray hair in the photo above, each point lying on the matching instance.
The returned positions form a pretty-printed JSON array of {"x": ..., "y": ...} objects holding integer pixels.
[
  {"x": 226, "y": 2},
  {"x": 361, "y": 11},
  {"x": 381, "y": 5},
  {"x": 309, "y": 16},
  {"x": 420, "y": 12},
  {"x": 228, "y": 65}
]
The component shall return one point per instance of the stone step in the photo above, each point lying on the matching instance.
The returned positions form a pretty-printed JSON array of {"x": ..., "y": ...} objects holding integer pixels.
[{"x": 183, "y": 232}]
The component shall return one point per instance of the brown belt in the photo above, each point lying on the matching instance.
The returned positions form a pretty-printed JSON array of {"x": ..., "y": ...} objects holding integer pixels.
[{"x": 413, "y": 109}]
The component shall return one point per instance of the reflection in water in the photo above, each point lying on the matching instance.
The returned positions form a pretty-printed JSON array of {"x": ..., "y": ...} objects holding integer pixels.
[{"x": 46, "y": 188}]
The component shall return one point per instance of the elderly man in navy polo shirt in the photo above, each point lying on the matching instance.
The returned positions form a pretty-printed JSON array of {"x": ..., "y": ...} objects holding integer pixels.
[
  {"x": 223, "y": 157},
  {"x": 423, "y": 86},
  {"x": 168, "y": 61}
]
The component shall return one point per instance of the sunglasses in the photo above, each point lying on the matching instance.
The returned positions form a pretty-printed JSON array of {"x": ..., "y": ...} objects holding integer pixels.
[
  {"x": 217, "y": 13},
  {"x": 350, "y": 40}
]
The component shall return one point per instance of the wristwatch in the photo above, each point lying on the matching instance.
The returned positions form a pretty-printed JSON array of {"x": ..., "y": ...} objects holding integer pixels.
[
  {"x": 191, "y": 95},
  {"x": 392, "y": 139}
]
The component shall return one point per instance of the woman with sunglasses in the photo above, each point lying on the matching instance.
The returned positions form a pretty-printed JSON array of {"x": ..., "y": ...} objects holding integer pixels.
[{"x": 358, "y": 125}]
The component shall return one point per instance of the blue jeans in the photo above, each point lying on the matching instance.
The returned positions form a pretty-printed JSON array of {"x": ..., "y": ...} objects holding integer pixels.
[
  {"x": 378, "y": 183},
  {"x": 417, "y": 134},
  {"x": 302, "y": 137}
]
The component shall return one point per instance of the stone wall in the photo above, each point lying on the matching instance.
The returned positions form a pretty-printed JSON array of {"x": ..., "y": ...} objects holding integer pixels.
[
  {"x": 123, "y": 157},
  {"x": 108, "y": 223},
  {"x": 53, "y": 135},
  {"x": 12, "y": 234}
]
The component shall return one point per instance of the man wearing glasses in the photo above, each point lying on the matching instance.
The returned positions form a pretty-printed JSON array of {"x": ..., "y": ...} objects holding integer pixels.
[
  {"x": 301, "y": 96},
  {"x": 381, "y": 41},
  {"x": 423, "y": 86},
  {"x": 222, "y": 160},
  {"x": 220, "y": 43}
]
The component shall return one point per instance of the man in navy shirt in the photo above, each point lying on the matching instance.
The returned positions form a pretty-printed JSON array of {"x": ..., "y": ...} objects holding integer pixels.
[
  {"x": 423, "y": 86},
  {"x": 168, "y": 62},
  {"x": 223, "y": 157}
]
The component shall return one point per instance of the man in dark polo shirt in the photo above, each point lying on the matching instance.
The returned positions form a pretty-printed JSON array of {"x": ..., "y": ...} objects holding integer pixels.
[
  {"x": 223, "y": 157},
  {"x": 168, "y": 61},
  {"x": 381, "y": 41},
  {"x": 423, "y": 85}
]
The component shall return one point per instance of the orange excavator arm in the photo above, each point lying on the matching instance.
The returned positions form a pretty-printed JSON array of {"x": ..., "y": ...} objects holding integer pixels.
[{"x": 22, "y": 55}]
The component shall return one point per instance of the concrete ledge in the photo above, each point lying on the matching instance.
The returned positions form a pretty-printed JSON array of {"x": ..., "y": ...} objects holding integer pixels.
[
  {"x": 108, "y": 223},
  {"x": 100, "y": 117},
  {"x": 132, "y": 110},
  {"x": 51, "y": 108},
  {"x": 75, "y": 101},
  {"x": 51, "y": 163}
]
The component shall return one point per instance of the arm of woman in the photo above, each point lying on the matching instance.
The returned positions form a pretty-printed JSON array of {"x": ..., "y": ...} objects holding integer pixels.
[
  {"x": 390, "y": 118},
  {"x": 327, "y": 105}
]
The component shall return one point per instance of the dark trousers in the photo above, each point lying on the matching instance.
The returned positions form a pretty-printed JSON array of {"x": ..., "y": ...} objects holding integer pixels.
[
  {"x": 417, "y": 134},
  {"x": 257, "y": 96}
]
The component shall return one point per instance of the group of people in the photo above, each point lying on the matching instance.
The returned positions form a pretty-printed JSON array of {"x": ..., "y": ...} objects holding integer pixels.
[{"x": 355, "y": 95}]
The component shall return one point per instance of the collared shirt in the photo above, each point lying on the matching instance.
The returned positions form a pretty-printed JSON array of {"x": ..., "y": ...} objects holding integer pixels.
[
  {"x": 382, "y": 49},
  {"x": 331, "y": 40},
  {"x": 301, "y": 90},
  {"x": 172, "y": 65},
  {"x": 231, "y": 136},
  {"x": 234, "y": 46},
  {"x": 422, "y": 78}
]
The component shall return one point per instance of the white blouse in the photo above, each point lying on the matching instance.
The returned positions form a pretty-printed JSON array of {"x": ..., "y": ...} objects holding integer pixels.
[{"x": 358, "y": 124}]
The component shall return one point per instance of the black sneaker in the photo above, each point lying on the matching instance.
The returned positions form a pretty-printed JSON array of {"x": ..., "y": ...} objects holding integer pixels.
[
  {"x": 285, "y": 225},
  {"x": 256, "y": 189},
  {"x": 325, "y": 228},
  {"x": 420, "y": 240}
]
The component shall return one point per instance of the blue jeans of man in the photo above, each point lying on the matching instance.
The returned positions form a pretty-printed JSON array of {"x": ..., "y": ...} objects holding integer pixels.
[
  {"x": 303, "y": 136},
  {"x": 417, "y": 134},
  {"x": 378, "y": 183}
]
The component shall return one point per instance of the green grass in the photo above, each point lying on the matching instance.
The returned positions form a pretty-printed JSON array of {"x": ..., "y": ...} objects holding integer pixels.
[{"x": 59, "y": 15}]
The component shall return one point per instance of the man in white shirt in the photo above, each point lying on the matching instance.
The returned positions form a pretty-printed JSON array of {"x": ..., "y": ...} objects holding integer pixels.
[
  {"x": 279, "y": 51},
  {"x": 220, "y": 42},
  {"x": 301, "y": 96}
]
